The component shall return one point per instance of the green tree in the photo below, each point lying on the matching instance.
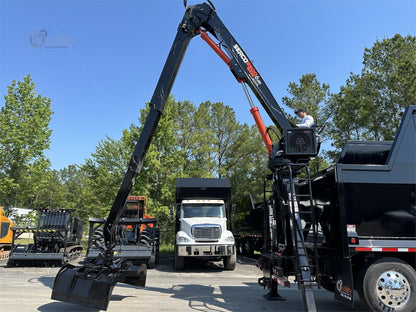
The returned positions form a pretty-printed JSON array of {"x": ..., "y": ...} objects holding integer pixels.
[
  {"x": 52, "y": 195},
  {"x": 189, "y": 142},
  {"x": 105, "y": 171},
  {"x": 223, "y": 140},
  {"x": 249, "y": 172},
  {"x": 107, "y": 166},
  {"x": 24, "y": 136},
  {"x": 309, "y": 94},
  {"x": 76, "y": 182},
  {"x": 370, "y": 105},
  {"x": 191, "y": 132}
]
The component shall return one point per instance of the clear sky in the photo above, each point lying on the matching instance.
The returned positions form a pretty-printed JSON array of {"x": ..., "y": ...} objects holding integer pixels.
[{"x": 99, "y": 61}]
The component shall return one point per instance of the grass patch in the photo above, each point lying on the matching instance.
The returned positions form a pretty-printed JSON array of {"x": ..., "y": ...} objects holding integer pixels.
[
  {"x": 166, "y": 249},
  {"x": 24, "y": 241}
]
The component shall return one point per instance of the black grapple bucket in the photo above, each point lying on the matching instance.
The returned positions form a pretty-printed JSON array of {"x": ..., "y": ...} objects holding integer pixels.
[{"x": 92, "y": 286}]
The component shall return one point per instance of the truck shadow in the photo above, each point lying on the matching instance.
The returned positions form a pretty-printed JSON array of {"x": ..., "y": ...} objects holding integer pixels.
[
  {"x": 230, "y": 298},
  {"x": 244, "y": 297},
  {"x": 194, "y": 265},
  {"x": 191, "y": 265}
]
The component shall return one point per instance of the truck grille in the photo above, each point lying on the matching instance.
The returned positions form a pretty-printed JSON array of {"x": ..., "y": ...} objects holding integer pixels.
[{"x": 206, "y": 232}]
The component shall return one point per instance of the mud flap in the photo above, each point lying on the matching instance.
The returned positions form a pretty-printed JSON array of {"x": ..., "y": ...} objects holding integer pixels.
[
  {"x": 92, "y": 287},
  {"x": 344, "y": 289}
]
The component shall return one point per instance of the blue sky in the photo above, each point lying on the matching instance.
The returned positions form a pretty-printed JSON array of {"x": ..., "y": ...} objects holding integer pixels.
[{"x": 99, "y": 61}]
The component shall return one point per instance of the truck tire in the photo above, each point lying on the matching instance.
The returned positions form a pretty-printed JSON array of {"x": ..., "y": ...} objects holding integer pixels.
[
  {"x": 146, "y": 237},
  {"x": 239, "y": 245},
  {"x": 230, "y": 262},
  {"x": 151, "y": 264},
  {"x": 98, "y": 238},
  {"x": 389, "y": 284},
  {"x": 157, "y": 244},
  {"x": 178, "y": 262},
  {"x": 249, "y": 248}
]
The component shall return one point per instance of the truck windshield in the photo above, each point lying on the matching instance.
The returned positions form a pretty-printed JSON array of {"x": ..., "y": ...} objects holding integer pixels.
[{"x": 205, "y": 210}]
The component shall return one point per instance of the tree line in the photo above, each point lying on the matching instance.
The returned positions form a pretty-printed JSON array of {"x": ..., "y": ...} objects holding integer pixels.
[{"x": 204, "y": 140}]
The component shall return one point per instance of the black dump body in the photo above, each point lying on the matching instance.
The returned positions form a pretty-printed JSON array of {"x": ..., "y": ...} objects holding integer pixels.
[
  {"x": 371, "y": 189},
  {"x": 247, "y": 217},
  {"x": 202, "y": 188},
  {"x": 246, "y": 222},
  {"x": 56, "y": 240}
]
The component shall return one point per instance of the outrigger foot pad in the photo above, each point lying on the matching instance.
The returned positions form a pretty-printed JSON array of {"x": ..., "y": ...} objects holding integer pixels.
[
  {"x": 270, "y": 296},
  {"x": 92, "y": 286}
]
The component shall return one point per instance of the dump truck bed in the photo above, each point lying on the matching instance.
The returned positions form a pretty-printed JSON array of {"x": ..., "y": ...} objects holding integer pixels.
[
  {"x": 202, "y": 188},
  {"x": 373, "y": 186}
]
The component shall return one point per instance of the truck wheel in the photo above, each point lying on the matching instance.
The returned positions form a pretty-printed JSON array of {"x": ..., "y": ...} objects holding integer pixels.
[
  {"x": 98, "y": 238},
  {"x": 249, "y": 248},
  {"x": 389, "y": 284},
  {"x": 239, "y": 248},
  {"x": 157, "y": 245},
  {"x": 151, "y": 264},
  {"x": 178, "y": 262},
  {"x": 230, "y": 262}
]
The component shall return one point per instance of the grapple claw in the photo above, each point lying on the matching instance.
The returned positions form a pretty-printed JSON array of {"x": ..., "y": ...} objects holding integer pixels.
[{"x": 92, "y": 286}]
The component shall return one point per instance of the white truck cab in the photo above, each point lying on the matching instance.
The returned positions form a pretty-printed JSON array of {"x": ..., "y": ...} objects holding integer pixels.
[{"x": 201, "y": 228}]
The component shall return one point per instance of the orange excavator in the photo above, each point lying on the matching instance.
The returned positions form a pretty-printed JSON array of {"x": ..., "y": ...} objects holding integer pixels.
[
  {"x": 135, "y": 208},
  {"x": 6, "y": 235}
]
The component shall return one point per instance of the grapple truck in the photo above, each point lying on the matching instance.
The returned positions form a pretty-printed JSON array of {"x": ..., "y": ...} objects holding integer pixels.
[
  {"x": 286, "y": 246},
  {"x": 93, "y": 283},
  {"x": 201, "y": 222},
  {"x": 349, "y": 227}
]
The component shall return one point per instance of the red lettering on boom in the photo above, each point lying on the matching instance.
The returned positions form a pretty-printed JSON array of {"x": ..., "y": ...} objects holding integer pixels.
[{"x": 251, "y": 69}]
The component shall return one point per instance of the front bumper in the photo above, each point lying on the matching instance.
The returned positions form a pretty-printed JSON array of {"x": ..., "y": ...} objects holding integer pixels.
[{"x": 205, "y": 250}]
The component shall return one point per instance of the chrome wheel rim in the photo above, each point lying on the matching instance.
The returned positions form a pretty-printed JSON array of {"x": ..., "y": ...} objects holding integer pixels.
[{"x": 393, "y": 289}]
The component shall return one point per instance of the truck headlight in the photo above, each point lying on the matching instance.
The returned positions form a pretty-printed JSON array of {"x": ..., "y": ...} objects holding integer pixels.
[
  {"x": 182, "y": 239},
  {"x": 229, "y": 239}
]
